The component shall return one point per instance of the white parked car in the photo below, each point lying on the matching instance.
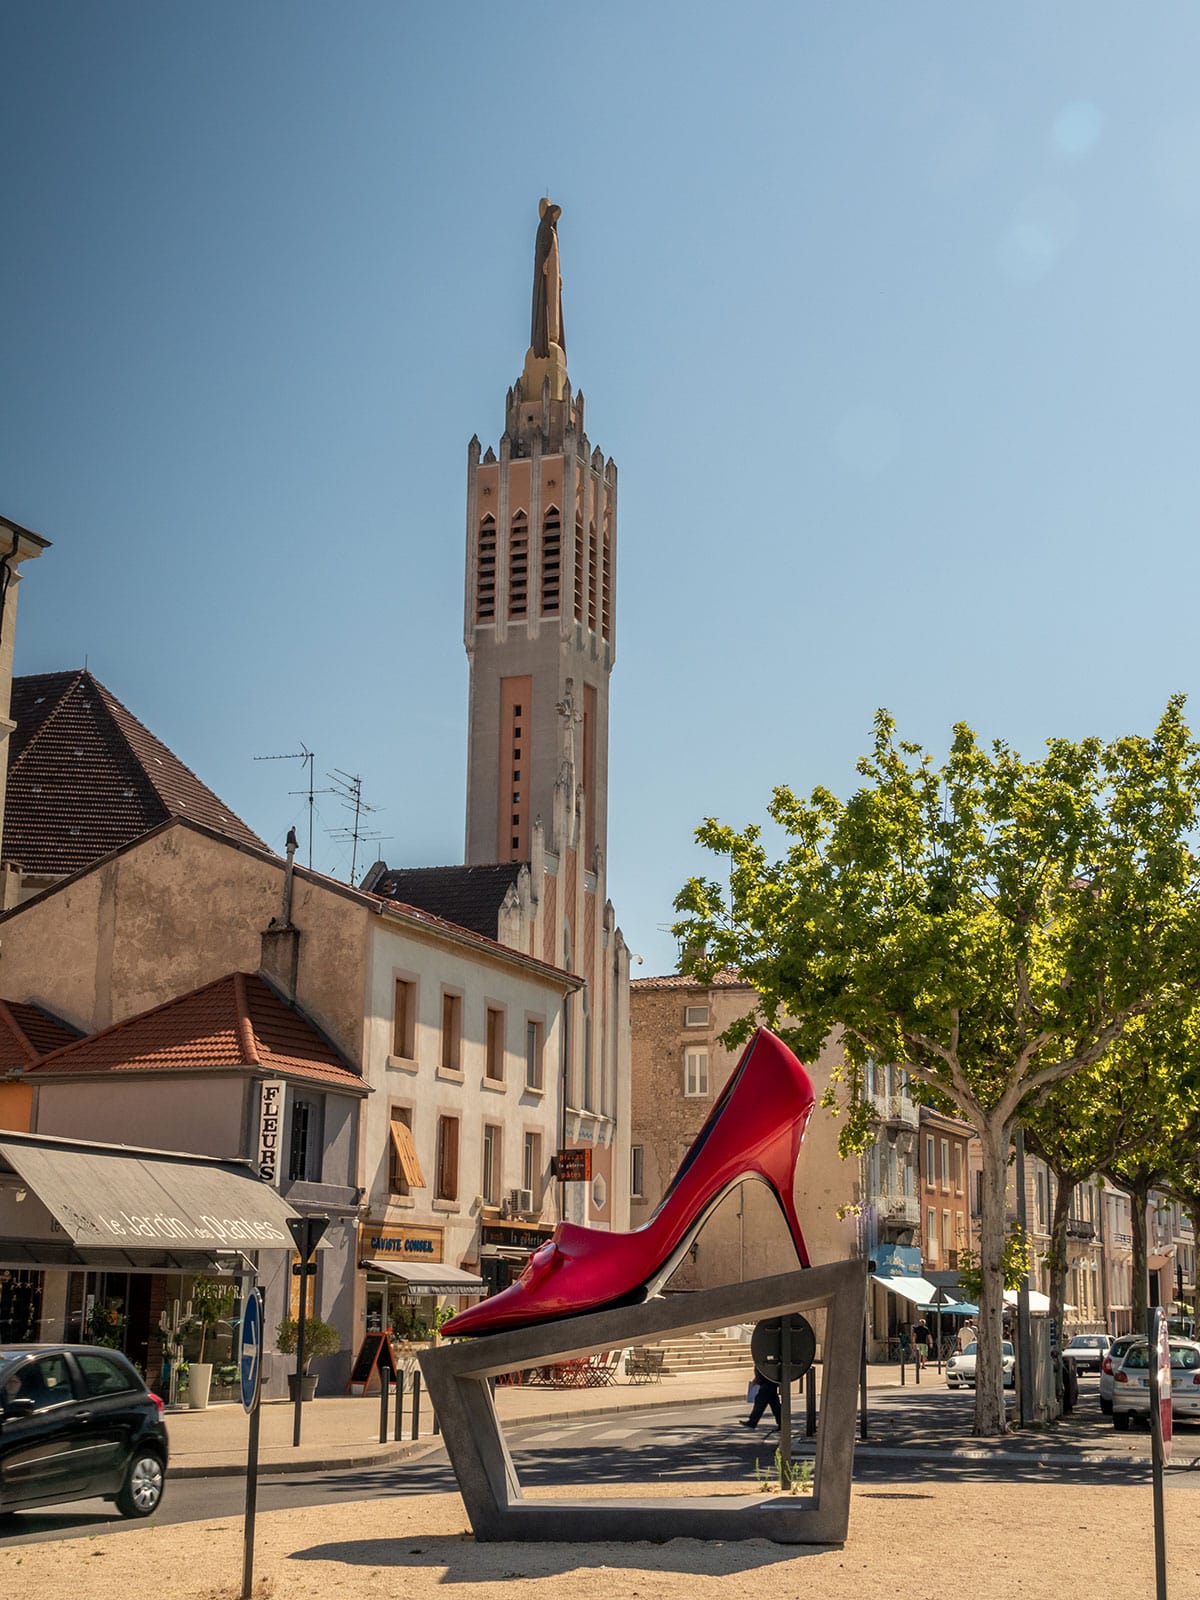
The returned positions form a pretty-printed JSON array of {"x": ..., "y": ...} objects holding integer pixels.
[
  {"x": 1115, "y": 1355},
  {"x": 960, "y": 1369},
  {"x": 1088, "y": 1351},
  {"x": 1131, "y": 1382}
]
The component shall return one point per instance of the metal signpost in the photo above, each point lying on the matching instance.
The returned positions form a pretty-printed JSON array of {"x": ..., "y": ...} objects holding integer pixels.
[
  {"x": 783, "y": 1349},
  {"x": 250, "y": 1372},
  {"x": 1160, "y": 1435},
  {"x": 307, "y": 1232}
]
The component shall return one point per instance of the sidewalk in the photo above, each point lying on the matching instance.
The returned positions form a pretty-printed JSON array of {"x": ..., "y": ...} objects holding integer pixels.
[{"x": 342, "y": 1432}]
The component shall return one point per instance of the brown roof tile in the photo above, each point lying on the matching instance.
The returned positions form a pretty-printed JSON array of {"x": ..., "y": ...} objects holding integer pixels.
[
  {"x": 236, "y": 1022},
  {"x": 27, "y": 1033},
  {"x": 85, "y": 777}
]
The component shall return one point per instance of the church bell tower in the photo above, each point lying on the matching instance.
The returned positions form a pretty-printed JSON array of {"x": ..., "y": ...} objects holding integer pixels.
[{"x": 539, "y": 622}]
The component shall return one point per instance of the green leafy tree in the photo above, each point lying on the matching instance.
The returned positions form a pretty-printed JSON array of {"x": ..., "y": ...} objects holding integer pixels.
[{"x": 992, "y": 926}]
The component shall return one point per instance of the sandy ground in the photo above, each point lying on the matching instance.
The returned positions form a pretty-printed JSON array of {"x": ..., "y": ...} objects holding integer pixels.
[{"x": 918, "y": 1539}]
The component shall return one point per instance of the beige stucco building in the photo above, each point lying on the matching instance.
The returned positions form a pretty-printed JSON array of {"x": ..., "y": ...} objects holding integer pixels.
[{"x": 436, "y": 1022}]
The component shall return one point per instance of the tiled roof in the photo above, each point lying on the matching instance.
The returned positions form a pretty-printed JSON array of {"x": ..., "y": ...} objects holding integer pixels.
[
  {"x": 85, "y": 777},
  {"x": 723, "y": 978},
  {"x": 27, "y": 1033},
  {"x": 470, "y": 897},
  {"x": 237, "y": 1022}
]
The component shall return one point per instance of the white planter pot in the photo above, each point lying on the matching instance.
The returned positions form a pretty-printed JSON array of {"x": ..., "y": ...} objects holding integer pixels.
[{"x": 199, "y": 1383}]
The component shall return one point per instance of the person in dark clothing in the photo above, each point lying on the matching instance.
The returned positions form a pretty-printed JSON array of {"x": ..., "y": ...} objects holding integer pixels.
[
  {"x": 767, "y": 1395},
  {"x": 922, "y": 1338}
]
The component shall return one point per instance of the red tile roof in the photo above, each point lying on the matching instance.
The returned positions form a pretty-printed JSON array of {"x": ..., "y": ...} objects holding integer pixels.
[
  {"x": 27, "y": 1033},
  {"x": 85, "y": 777},
  {"x": 238, "y": 1022}
]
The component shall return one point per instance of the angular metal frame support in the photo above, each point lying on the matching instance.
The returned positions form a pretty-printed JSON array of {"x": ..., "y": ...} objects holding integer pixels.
[{"x": 457, "y": 1377}]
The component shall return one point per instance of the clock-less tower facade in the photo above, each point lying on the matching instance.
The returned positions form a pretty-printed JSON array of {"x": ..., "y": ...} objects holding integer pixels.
[{"x": 540, "y": 634}]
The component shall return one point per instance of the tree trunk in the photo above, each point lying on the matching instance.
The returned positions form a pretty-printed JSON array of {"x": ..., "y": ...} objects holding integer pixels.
[
  {"x": 1139, "y": 1197},
  {"x": 1063, "y": 1191},
  {"x": 991, "y": 1417}
]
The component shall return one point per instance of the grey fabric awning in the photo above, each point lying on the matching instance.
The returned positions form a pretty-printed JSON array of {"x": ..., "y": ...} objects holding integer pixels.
[
  {"x": 69, "y": 1202},
  {"x": 430, "y": 1277}
]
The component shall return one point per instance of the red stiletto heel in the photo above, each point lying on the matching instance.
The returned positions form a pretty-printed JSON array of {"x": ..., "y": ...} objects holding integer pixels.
[{"x": 753, "y": 1131}]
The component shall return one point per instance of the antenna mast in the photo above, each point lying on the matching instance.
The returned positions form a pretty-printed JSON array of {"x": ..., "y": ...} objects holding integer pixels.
[
  {"x": 348, "y": 788},
  {"x": 306, "y": 755}
]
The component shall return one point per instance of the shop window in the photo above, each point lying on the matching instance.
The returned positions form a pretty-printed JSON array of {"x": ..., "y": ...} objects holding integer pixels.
[
  {"x": 451, "y": 1032},
  {"x": 404, "y": 1166},
  {"x": 404, "y": 1020},
  {"x": 490, "y": 1180},
  {"x": 494, "y": 1062},
  {"x": 304, "y": 1144},
  {"x": 447, "y": 1158},
  {"x": 533, "y": 1055},
  {"x": 695, "y": 1073}
]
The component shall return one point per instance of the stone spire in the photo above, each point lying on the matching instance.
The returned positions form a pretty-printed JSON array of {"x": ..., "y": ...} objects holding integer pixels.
[{"x": 546, "y": 361}]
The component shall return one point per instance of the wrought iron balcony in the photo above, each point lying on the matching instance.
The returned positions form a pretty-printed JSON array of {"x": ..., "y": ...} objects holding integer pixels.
[{"x": 1077, "y": 1228}]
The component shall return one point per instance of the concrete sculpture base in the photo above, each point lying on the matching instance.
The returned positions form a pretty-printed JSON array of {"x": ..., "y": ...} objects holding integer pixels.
[{"x": 457, "y": 1379}]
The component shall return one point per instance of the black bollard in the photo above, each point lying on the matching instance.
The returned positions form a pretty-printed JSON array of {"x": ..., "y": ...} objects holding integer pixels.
[
  {"x": 810, "y": 1402},
  {"x": 384, "y": 1381},
  {"x": 416, "y": 1420},
  {"x": 399, "y": 1429}
]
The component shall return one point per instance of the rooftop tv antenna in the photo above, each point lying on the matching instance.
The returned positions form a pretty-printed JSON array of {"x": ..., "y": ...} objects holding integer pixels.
[
  {"x": 348, "y": 788},
  {"x": 306, "y": 755}
]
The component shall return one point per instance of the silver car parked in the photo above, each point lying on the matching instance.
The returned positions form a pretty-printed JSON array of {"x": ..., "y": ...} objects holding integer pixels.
[{"x": 1116, "y": 1354}]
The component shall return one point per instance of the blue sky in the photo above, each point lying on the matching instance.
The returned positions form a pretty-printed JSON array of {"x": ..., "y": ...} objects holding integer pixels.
[{"x": 885, "y": 312}]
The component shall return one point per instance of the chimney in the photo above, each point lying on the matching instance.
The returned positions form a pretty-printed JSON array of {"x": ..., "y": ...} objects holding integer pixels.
[{"x": 280, "y": 960}]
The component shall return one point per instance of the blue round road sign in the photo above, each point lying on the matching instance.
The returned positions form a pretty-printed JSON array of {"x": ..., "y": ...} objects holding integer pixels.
[{"x": 250, "y": 1356}]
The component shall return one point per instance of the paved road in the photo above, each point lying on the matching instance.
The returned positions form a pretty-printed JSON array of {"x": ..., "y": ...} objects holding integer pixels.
[{"x": 694, "y": 1444}]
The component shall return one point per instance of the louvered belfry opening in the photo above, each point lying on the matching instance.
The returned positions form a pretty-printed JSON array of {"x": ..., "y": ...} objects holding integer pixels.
[
  {"x": 518, "y": 566},
  {"x": 485, "y": 586},
  {"x": 551, "y": 561}
]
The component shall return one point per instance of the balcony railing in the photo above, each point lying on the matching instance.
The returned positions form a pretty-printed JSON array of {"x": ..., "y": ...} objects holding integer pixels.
[
  {"x": 1077, "y": 1228},
  {"x": 895, "y": 1108},
  {"x": 905, "y": 1208}
]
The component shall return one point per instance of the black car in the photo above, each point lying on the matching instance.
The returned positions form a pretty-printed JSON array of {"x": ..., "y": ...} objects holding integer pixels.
[{"x": 77, "y": 1421}]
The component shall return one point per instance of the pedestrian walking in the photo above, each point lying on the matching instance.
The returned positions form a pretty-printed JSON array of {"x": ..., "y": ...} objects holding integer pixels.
[
  {"x": 766, "y": 1394},
  {"x": 922, "y": 1339}
]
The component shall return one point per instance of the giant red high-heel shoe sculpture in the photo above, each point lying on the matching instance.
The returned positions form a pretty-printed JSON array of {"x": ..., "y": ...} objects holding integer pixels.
[{"x": 753, "y": 1131}]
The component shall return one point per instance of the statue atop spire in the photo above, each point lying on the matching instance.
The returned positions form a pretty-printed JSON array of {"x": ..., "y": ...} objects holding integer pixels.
[
  {"x": 546, "y": 322},
  {"x": 546, "y": 360}
]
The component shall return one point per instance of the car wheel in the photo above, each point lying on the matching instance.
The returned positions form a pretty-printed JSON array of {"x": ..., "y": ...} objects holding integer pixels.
[
  {"x": 142, "y": 1490},
  {"x": 1105, "y": 1407},
  {"x": 1121, "y": 1421}
]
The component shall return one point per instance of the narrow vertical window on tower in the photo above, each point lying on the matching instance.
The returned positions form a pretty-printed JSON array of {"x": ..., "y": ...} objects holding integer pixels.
[
  {"x": 485, "y": 563},
  {"x": 578, "y": 567},
  {"x": 551, "y": 561},
  {"x": 606, "y": 577},
  {"x": 518, "y": 565},
  {"x": 593, "y": 576}
]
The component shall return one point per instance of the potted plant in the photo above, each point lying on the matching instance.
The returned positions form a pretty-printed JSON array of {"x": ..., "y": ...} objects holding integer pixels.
[
  {"x": 320, "y": 1339},
  {"x": 211, "y": 1304}
]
